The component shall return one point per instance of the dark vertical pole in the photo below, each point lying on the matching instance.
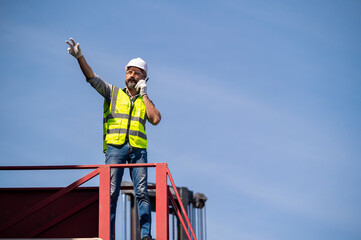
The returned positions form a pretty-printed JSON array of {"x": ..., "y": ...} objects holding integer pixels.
[{"x": 134, "y": 219}]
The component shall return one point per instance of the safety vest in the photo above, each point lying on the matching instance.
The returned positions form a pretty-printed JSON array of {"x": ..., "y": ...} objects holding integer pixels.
[{"x": 123, "y": 119}]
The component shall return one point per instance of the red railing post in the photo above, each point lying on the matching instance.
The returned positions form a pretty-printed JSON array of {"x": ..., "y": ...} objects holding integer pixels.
[
  {"x": 162, "y": 205},
  {"x": 104, "y": 202}
]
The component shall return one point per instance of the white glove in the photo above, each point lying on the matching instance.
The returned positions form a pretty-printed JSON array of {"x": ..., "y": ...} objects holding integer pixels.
[
  {"x": 74, "y": 49},
  {"x": 141, "y": 87}
]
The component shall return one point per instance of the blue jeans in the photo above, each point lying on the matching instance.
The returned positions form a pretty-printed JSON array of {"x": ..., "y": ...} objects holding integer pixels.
[{"x": 120, "y": 155}]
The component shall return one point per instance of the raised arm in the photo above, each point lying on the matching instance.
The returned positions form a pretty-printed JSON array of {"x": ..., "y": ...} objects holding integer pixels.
[
  {"x": 96, "y": 82},
  {"x": 75, "y": 51}
]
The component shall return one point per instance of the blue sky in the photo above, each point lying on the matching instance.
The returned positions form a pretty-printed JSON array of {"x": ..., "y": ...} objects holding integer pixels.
[{"x": 260, "y": 101}]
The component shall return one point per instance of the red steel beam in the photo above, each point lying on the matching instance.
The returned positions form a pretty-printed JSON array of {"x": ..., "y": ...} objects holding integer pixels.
[
  {"x": 181, "y": 204},
  {"x": 47, "y": 201},
  {"x": 59, "y": 167},
  {"x": 162, "y": 205},
  {"x": 179, "y": 214},
  {"x": 104, "y": 202}
]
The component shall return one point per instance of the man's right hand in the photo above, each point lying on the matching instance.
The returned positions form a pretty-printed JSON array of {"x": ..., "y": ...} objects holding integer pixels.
[{"x": 74, "y": 48}]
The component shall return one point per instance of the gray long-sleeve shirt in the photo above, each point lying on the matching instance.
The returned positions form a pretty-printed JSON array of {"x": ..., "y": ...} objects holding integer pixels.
[{"x": 102, "y": 87}]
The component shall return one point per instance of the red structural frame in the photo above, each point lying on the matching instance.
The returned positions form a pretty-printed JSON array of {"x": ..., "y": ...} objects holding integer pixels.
[{"x": 163, "y": 195}]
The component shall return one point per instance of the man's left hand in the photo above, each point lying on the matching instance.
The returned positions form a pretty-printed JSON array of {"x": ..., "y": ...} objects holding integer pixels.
[{"x": 141, "y": 87}]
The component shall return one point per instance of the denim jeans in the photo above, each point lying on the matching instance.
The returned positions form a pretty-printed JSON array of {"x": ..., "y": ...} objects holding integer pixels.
[{"x": 119, "y": 155}]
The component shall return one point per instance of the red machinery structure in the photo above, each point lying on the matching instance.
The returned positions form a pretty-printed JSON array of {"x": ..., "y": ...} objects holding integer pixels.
[{"x": 82, "y": 212}]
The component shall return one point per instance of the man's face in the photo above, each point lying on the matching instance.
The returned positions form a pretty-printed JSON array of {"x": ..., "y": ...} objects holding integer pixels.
[{"x": 132, "y": 76}]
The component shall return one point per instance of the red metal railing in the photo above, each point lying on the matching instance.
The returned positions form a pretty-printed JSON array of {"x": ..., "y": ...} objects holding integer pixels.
[{"x": 163, "y": 195}]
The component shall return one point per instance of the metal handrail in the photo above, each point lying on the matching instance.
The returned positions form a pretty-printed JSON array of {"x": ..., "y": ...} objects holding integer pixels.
[
  {"x": 64, "y": 167},
  {"x": 162, "y": 196}
]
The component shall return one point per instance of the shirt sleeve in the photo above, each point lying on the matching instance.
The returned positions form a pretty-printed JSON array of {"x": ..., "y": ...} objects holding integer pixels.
[{"x": 102, "y": 87}]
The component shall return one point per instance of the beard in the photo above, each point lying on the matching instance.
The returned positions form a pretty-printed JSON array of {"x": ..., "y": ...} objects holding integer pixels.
[{"x": 130, "y": 83}]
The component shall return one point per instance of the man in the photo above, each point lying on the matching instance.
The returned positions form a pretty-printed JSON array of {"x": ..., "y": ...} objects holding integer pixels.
[{"x": 125, "y": 140}]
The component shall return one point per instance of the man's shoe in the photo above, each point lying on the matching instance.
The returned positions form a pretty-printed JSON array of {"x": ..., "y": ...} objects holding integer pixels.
[{"x": 146, "y": 238}]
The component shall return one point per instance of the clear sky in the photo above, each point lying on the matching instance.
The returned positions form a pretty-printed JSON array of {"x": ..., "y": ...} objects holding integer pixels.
[{"x": 260, "y": 101}]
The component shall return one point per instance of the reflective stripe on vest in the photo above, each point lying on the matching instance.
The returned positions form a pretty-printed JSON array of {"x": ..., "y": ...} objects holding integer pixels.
[{"x": 122, "y": 118}]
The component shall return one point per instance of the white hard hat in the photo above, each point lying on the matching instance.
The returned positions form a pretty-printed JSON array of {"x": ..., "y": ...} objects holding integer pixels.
[{"x": 139, "y": 63}]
